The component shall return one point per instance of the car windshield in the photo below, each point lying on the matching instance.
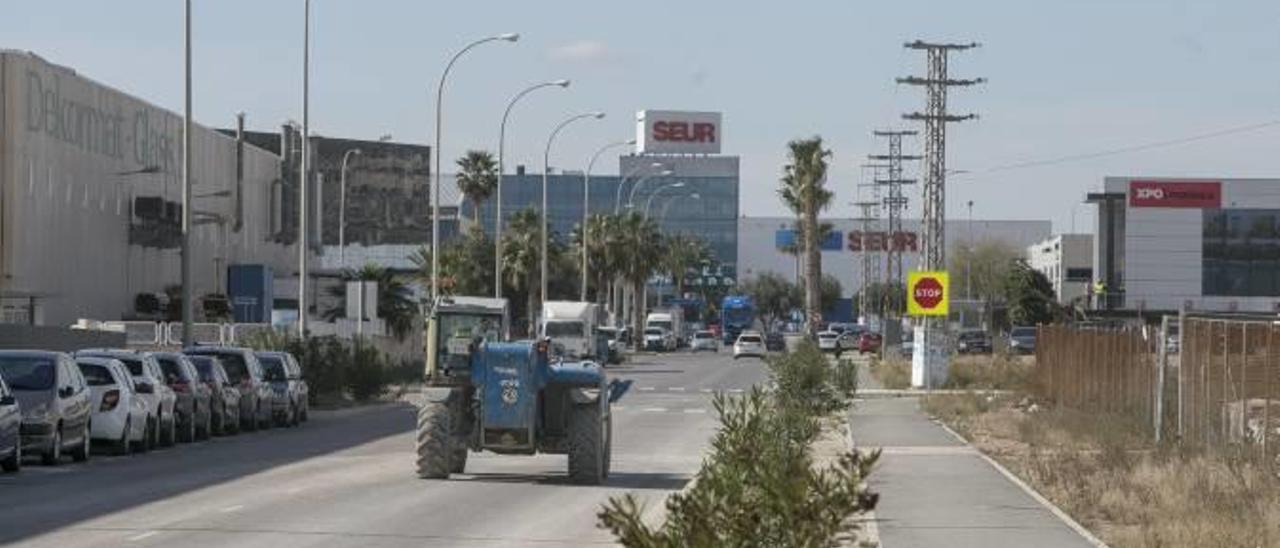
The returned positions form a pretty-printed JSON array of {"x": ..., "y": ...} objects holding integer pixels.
[
  {"x": 661, "y": 324},
  {"x": 234, "y": 364},
  {"x": 828, "y": 335},
  {"x": 272, "y": 368},
  {"x": 563, "y": 329},
  {"x": 1023, "y": 332},
  {"x": 749, "y": 339},
  {"x": 27, "y": 373},
  {"x": 96, "y": 375},
  {"x": 204, "y": 367},
  {"x": 134, "y": 366},
  {"x": 704, "y": 335},
  {"x": 172, "y": 371}
]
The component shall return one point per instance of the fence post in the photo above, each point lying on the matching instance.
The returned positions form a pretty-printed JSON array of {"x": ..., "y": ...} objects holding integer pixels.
[
  {"x": 1182, "y": 364},
  {"x": 1162, "y": 355}
]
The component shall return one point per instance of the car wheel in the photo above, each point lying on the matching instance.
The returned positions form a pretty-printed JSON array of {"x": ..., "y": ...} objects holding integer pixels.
[
  {"x": 148, "y": 436},
  {"x": 53, "y": 455},
  {"x": 121, "y": 446},
  {"x": 14, "y": 462},
  {"x": 169, "y": 436},
  {"x": 188, "y": 429},
  {"x": 81, "y": 453}
]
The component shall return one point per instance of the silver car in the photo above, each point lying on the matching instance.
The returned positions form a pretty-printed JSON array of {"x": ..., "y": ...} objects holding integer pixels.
[
  {"x": 55, "y": 403},
  {"x": 245, "y": 372},
  {"x": 285, "y": 376},
  {"x": 149, "y": 382}
]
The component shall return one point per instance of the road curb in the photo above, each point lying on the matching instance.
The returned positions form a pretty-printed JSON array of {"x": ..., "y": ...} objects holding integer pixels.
[
  {"x": 1053, "y": 508},
  {"x": 867, "y": 520}
]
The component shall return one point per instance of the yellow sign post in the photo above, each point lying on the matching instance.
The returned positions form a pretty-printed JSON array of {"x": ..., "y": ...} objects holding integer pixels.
[{"x": 928, "y": 293}]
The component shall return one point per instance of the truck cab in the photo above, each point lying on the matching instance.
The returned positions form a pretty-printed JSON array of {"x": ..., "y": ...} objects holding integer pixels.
[{"x": 572, "y": 326}]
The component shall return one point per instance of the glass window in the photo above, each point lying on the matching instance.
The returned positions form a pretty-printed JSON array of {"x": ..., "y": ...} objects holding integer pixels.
[
  {"x": 28, "y": 373},
  {"x": 172, "y": 370},
  {"x": 272, "y": 368},
  {"x": 563, "y": 329},
  {"x": 1241, "y": 253},
  {"x": 134, "y": 365},
  {"x": 96, "y": 375},
  {"x": 749, "y": 339}
]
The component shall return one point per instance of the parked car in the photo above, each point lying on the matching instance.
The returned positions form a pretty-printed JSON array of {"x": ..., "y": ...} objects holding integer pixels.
[
  {"x": 119, "y": 415},
  {"x": 774, "y": 341},
  {"x": 148, "y": 380},
  {"x": 704, "y": 340},
  {"x": 749, "y": 344},
  {"x": 243, "y": 370},
  {"x": 10, "y": 430},
  {"x": 225, "y": 419},
  {"x": 1022, "y": 340},
  {"x": 54, "y": 400},
  {"x": 847, "y": 341},
  {"x": 289, "y": 405},
  {"x": 829, "y": 341},
  {"x": 973, "y": 342},
  {"x": 614, "y": 343},
  {"x": 194, "y": 397},
  {"x": 658, "y": 339},
  {"x": 869, "y": 342}
]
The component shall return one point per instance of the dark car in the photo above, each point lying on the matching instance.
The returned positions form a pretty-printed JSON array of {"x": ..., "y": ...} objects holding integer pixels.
[
  {"x": 244, "y": 371},
  {"x": 1022, "y": 340},
  {"x": 285, "y": 376},
  {"x": 775, "y": 342},
  {"x": 55, "y": 403},
  {"x": 225, "y": 419},
  {"x": 194, "y": 397},
  {"x": 973, "y": 342},
  {"x": 10, "y": 430}
]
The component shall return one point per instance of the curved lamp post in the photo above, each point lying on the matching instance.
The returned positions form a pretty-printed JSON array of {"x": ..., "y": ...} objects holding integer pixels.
[
  {"x": 435, "y": 191},
  {"x": 631, "y": 198},
  {"x": 586, "y": 207},
  {"x": 649, "y": 203},
  {"x": 497, "y": 211},
  {"x": 622, "y": 182},
  {"x": 546, "y": 162},
  {"x": 662, "y": 213}
]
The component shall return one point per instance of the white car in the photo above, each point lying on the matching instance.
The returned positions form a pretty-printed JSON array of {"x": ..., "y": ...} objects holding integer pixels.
[
  {"x": 829, "y": 341},
  {"x": 148, "y": 382},
  {"x": 750, "y": 344},
  {"x": 658, "y": 339},
  {"x": 119, "y": 415},
  {"x": 703, "y": 340}
]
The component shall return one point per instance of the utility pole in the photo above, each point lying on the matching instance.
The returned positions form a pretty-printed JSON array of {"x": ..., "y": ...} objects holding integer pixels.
[
  {"x": 929, "y": 362},
  {"x": 895, "y": 204},
  {"x": 870, "y": 223}
]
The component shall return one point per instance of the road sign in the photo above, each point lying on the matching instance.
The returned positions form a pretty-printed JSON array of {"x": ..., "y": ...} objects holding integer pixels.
[{"x": 928, "y": 293}]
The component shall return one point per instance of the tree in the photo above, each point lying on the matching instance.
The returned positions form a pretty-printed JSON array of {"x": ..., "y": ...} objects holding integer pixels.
[
  {"x": 804, "y": 191},
  {"x": 466, "y": 265},
  {"x": 640, "y": 238},
  {"x": 1030, "y": 295},
  {"x": 396, "y": 306},
  {"x": 477, "y": 178},
  {"x": 683, "y": 253},
  {"x": 603, "y": 252},
  {"x": 830, "y": 292},
  {"x": 979, "y": 272},
  {"x": 521, "y": 256},
  {"x": 882, "y": 296},
  {"x": 774, "y": 297}
]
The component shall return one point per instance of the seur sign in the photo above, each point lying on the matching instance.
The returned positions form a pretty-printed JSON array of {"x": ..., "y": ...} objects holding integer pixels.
[{"x": 677, "y": 132}]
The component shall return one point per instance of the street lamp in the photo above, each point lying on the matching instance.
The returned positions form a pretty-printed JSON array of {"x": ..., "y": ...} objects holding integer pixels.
[
  {"x": 662, "y": 213},
  {"x": 631, "y": 198},
  {"x": 546, "y": 169},
  {"x": 655, "y": 194},
  {"x": 342, "y": 207},
  {"x": 617, "y": 198},
  {"x": 435, "y": 191},
  {"x": 586, "y": 206},
  {"x": 188, "y": 310},
  {"x": 497, "y": 211},
  {"x": 302, "y": 175}
]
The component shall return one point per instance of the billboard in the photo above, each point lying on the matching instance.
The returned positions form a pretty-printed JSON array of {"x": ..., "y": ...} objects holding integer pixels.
[
  {"x": 677, "y": 132},
  {"x": 1198, "y": 195}
]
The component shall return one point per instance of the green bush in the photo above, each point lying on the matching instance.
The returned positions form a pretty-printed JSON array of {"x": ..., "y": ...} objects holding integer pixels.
[
  {"x": 365, "y": 377},
  {"x": 759, "y": 486},
  {"x": 333, "y": 367}
]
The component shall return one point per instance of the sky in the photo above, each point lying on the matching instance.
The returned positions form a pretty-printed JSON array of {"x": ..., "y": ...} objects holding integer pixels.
[{"x": 1065, "y": 79}]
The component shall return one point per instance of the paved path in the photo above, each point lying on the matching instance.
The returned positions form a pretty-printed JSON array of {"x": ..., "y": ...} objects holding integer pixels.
[
  {"x": 937, "y": 491},
  {"x": 347, "y": 479}
]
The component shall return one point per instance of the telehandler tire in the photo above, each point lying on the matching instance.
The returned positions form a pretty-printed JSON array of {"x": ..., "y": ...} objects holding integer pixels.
[
  {"x": 434, "y": 440},
  {"x": 586, "y": 445},
  {"x": 461, "y": 435}
]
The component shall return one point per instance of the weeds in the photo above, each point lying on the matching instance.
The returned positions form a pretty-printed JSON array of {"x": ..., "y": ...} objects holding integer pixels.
[
  {"x": 759, "y": 485},
  {"x": 994, "y": 372},
  {"x": 893, "y": 373}
]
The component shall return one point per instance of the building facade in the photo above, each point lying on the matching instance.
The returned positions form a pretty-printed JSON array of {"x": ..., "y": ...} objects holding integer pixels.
[
  {"x": 90, "y": 198},
  {"x": 1067, "y": 261},
  {"x": 1201, "y": 244}
]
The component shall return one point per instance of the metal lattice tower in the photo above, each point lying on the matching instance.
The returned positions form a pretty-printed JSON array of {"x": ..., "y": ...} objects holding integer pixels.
[
  {"x": 895, "y": 203},
  {"x": 935, "y": 120},
  {"x": 870, "y": 257}
]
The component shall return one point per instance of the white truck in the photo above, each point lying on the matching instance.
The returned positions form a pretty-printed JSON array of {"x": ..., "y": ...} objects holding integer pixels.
[
  {"x": 672, "y": 320},
  {"x": 573, "y": 325}
]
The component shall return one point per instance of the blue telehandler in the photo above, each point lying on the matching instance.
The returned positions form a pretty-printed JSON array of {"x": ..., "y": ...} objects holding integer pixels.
[{"x": 514, "y": 398}]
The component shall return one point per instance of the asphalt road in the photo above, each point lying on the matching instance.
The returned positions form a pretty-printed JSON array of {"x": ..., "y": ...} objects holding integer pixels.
[{"x": 347, "y": 479}]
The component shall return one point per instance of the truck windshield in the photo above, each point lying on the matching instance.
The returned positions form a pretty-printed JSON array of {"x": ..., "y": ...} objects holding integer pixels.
[
  {"x": 563, "y": 329},
  {"x": 660, "y": 324},
  {"x": 460, "y": 330},
  {"x": 737, "y": 316}
]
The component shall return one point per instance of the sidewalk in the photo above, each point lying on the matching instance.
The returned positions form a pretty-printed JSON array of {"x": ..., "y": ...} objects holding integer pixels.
[{"x": 937, "y": 491}]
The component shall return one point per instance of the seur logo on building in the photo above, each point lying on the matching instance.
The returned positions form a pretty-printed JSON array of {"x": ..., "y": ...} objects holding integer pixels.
[{"x": 677, "y": 132}]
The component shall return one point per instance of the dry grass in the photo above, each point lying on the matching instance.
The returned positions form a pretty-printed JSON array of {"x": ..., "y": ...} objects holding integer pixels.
[
  {"x": 893, "y": 373},
  {"x": 1104, "y": 471},
  {"x": 995, "y": 372}
]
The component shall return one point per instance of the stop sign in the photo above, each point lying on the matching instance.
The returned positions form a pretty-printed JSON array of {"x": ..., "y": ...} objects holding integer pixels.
[{"x": 927, "y": 293}]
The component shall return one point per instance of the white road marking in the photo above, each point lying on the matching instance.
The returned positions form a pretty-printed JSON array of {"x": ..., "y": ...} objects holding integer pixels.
[
  {"x": 676, "y": 389},
  {"x": 655, "y": 410},
  {"x": 294, "y": 491},
  {"x": 694, "y": 411},
  {"x": 647, "y": 389},
  {"x": 706, "y": 390},
  {"x": 230, "y": 509},
  {"x": 735, "y": 390},
  {"x": 145, "y": 535}
]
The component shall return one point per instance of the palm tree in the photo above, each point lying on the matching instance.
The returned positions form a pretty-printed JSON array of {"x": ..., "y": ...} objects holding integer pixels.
[
  {"x": 477, "y": 178},
  {"x": 521, "y": 253},
  {"x": 640, "y": 254},
  {"x": 682, "y": 253},
  {"x": 804, "y": 191},
  {"x": 395, "y": 301}
]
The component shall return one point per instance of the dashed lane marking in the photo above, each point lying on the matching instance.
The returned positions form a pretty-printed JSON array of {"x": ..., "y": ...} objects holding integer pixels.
[
  {"x": 655, "y": 410},
  {"x": 146, "y": 535},
  {"x": 231, "y": 509},
  {"x": 647, "y": 389},
  {"x": 676, "y": 389},
  {"x": 694, "y": 411}
]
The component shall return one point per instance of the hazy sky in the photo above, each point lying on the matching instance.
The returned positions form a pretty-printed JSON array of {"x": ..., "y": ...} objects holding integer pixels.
[{"x": 1065, "y": 78}]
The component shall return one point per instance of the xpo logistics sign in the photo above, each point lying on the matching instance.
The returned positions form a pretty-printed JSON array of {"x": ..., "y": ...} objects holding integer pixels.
[
  {"x": 677, "y": 132},
  {"x": 928, "y": 293}
]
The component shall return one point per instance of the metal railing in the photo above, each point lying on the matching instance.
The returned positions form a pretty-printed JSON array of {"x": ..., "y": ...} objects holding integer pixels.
[{"x": 1228, "y": 384}]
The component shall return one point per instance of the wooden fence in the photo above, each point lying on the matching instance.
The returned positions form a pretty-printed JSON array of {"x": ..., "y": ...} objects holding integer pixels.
[
  {"x": 1109, "y": 371},
  {"x": 1229, "y": 390}
]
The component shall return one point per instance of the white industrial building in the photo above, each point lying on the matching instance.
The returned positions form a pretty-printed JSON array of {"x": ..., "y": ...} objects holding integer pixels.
[
  {"x": 1196, "y": 243},
  {"x": 762, "y": 243},
  {"x": 90, "y": 198},
  {"x": 1067, "y": 261}
]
